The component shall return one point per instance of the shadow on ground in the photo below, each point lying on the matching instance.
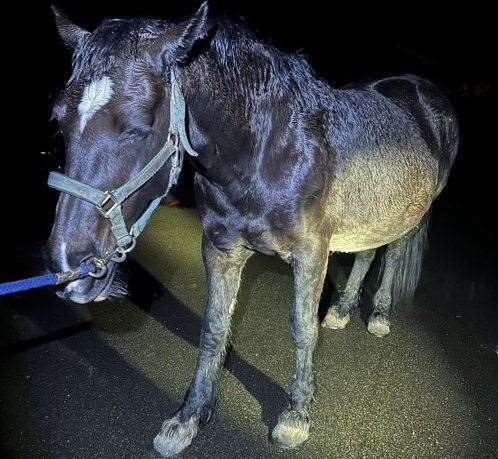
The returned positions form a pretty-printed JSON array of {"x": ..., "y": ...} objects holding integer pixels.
[{"x": 97, "y": 381}]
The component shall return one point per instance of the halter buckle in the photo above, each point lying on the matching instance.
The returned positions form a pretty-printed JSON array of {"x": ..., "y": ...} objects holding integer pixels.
[
  {"x": 108, "y": 204},
  {"x": 174, "y": 140}
]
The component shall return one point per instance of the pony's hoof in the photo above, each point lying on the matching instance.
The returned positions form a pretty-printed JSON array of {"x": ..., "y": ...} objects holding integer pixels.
[
  {"x": 379, "y": 326},
  {"x": 334, "y": 321},
  {"x": 175, "y": 436},
  {"x": 291, "y": 431}
]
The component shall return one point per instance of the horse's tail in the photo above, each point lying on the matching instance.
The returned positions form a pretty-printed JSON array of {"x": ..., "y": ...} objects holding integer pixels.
[{"x": 407, "y": 273}]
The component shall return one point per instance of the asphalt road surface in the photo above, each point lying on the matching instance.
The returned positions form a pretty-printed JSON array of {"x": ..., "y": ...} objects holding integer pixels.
[{"x": 98, "y": 380}]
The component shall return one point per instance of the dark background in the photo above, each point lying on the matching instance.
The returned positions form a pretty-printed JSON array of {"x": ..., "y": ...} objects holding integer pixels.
[
  {"x": 59, "y": 375},
  {"x": 455, "y": 48}
]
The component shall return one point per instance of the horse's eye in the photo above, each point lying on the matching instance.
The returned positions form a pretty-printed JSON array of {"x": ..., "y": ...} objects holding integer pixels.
[{"x": 135, "y": 133}]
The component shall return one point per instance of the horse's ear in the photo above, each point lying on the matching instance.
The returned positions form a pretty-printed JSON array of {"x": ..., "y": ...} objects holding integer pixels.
[
  {"x": 71, "y": 34},
  {"x": 194, "y": 29}
]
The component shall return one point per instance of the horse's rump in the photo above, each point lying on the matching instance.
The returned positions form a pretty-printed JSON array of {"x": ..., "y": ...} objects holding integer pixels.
[
  {"x": 401, "y": 145},
  {"x": 433, "y": 114}
]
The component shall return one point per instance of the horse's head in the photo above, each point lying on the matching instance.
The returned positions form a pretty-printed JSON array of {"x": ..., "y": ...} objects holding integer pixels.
[{"x": 114, "y": 116}]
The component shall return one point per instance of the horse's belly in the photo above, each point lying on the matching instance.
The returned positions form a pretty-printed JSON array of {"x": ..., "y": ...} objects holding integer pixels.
[
  {"x": 376, "y": 201},
  {"x": 364, "y": 239}
]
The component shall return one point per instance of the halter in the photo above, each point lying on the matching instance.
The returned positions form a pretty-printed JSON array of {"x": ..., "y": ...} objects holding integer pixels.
[{"x": 109, "y": 203}]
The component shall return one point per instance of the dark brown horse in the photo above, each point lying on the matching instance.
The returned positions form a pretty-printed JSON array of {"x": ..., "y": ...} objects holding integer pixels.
[{"x": 287, "y": 165}]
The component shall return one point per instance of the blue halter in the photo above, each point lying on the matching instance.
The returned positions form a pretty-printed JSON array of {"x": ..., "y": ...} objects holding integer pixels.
[{"x": 109, "y": 203}]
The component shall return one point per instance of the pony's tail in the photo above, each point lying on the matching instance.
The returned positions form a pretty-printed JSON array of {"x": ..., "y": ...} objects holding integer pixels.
[{"x": 407, "y": 272}]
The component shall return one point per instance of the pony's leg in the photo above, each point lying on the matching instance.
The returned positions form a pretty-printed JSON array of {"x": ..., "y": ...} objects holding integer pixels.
[
  {"x": 338, "y": 315},
  {"x": 378, "y": 323},
  {"x": 309, "y": 273},
  {"x": 223, "y": 271}
]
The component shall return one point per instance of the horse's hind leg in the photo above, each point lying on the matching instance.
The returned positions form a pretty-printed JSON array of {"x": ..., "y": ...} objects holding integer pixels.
[
  {"x": 402, "y": 269},
  {"x": 379, "y": 324},
  {"x": 338, "y": 315}
]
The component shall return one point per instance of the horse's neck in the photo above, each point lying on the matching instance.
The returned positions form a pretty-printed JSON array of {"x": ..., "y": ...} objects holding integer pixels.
[
  {"x": 219, "y": 123},
  {"x": 234, "y": 91}
]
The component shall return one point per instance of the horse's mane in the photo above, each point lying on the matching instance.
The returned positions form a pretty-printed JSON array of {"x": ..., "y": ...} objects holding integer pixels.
[
  {"x": 247, "y": 61},
  {"x": 285, "y": 74}
]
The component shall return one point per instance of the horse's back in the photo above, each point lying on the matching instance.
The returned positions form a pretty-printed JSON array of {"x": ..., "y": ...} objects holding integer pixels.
[{"x": 403, "y": 148}]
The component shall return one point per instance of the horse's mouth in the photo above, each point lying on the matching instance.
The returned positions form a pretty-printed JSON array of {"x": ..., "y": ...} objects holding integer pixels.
[{"x": 89, "y": 289}]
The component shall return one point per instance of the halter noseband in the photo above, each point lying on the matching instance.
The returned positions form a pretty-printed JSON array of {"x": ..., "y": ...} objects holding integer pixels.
[{"x": 108, "y": 203}]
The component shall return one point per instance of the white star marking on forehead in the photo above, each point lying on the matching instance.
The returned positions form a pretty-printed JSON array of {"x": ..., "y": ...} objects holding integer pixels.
[{"x": 95, "y": 96}]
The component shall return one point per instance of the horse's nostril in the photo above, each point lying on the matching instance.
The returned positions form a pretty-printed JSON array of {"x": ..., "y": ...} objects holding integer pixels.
[
  {"x": 77, "y": 258},
  {"x": 56, "y": 265}
]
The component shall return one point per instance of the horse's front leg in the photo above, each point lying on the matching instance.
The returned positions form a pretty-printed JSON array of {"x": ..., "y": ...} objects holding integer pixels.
[
  {"x": 223, "y": 271},
  {"x": 310, "y": 267}
]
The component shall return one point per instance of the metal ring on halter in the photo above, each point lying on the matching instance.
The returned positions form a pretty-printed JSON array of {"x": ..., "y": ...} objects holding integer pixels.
[
  {"x": 100, "y": 268},
  {"x": 120, "y": 252},
  {"x": 119, "y": 256},
  {"x": 130, "y": 247}
]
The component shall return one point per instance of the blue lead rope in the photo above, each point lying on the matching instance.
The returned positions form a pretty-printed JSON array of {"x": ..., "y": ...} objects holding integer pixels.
[{"x": 45, "y": 280}]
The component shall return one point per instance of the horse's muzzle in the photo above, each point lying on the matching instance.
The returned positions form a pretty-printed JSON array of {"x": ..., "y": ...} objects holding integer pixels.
[{"x": 89, "y": 289}]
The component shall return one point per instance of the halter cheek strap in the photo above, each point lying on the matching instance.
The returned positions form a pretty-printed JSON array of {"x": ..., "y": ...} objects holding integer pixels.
[{"x": 109, "y": 203}]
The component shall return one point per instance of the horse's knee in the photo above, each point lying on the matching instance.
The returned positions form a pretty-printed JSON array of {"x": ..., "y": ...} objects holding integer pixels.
[
  {"x": 304, "y": 331},
  {"x": 215, "y": 330},
  {"x": 213, "y": 343}
]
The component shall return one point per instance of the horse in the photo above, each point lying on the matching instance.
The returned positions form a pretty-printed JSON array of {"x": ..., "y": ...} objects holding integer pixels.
[{"x": 286, "y": 165}]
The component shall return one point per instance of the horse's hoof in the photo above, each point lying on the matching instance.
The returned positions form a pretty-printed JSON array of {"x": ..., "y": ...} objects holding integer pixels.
[
  {"x": 175, "y": 436},
  {"x": 334, "y": 321},
  {"x": 291, "y": 431},
  {"x": 379, "y": 326}
]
